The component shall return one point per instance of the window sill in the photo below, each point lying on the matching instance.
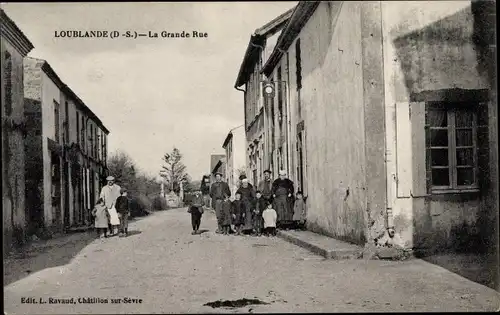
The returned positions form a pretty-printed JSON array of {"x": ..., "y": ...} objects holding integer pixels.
[
  {"x": 458, "y": 195},
  {"x": 454, "y": 191}
]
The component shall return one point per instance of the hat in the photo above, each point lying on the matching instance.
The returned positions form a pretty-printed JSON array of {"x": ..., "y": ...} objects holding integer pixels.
[
  {"x": 282, "y": 172},
  {"x": 267, "y": 171},
  {"x": 109, "y": 178},
  {"x": 218, "y": 173},
  {"x": 122, "y": 190},
  {"x": 244, "y": 180},
  {"x": 242, "y": 177}
]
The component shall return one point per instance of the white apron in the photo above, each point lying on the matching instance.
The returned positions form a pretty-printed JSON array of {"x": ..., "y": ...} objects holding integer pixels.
[{"x": 113, "y": 216}]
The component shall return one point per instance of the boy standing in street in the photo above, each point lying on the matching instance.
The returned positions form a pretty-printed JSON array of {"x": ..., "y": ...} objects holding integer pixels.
[
  {"x": 122, "y": 207},
  {"x": 196, "y": 210}
]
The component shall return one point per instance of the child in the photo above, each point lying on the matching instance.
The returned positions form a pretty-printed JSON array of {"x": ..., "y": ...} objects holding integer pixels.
[
  {"x": 226, "y": 216},
  {"x": 260, "y": 206},
  {"x": 237, "y": 211},
  {"x": 196, "y": 210},
  {"x": 101, "y": 215},
  {"x": 122, "y": 208},
  {"x": 269, "y": 215},
  {"x": 299, "y": 212}
]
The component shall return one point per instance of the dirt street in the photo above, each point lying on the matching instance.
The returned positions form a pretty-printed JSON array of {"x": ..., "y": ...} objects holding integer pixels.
[{"x": 162, "y": 268}]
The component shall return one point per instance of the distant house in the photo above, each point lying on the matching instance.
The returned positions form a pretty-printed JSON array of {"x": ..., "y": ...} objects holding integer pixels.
[
  {"x": 15, "y": 46},
  {"x": 392, "y": 109},
  {"x": 261, "y": 141},
  {"x": 234, "y": 144},
  {"x": 216, "y": 162},
  {"x": 66, "y": 147}
]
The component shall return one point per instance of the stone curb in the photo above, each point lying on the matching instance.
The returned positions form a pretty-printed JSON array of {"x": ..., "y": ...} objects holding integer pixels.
[{"x": 341, "y": 254}]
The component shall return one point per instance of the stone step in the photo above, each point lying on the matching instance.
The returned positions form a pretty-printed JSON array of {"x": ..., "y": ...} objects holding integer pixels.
[{"x": 325, "y": 246}]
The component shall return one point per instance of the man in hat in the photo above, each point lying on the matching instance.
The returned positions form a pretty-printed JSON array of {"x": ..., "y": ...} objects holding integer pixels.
[
  {"x": 265, "y": 186},
  {"x": 282, "y": 191},
  {"x": 109, "y": 194},
  {"x": 220, "y": 193}
]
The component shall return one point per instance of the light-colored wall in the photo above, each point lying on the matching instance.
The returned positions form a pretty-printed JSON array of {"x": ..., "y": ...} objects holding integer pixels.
[
  {"x": 13, "y": 183},
  {"x": 415, "y": 65},
  {"x": 50, "y": 93},
  {"x": 332, "y": 99}
]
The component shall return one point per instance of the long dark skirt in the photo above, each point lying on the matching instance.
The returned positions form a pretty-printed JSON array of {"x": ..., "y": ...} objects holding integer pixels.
[{"x": 283, "y": 209}]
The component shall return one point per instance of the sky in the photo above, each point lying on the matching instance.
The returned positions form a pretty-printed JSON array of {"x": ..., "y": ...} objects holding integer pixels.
[{"x": 152, "y": 93}]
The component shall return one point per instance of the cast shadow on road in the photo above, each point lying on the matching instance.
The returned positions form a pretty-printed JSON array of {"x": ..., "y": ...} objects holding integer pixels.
[
  {"x": 203, "y": 231},
  {"x": 133, "y": 232},
  {"x": 47, "y": 254}
]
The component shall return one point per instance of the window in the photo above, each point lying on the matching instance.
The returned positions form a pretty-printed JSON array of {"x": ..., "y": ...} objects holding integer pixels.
[
  {"x": 8, "y": 83},
  {"x": 66, "y": 124},
  {"x": 83, "y": 134},
  {"x": 56, "y": 120},
  {"x": 451, "y": 146},
  {"x": 298, "y": 64},
  {"x": 78, "y": 128},
  {"x": 280, "y": 97}
]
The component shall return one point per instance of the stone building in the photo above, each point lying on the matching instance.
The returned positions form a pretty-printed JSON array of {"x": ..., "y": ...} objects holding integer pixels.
[
  {"x": 67, "y": 151},
  {"x": 393, "y": 107},
  {"x": 260, "y": 139},
  {"x": 235, "y": 147},
  {"x": 15, "y": 46},
  {"x": 216, "y": 162}
]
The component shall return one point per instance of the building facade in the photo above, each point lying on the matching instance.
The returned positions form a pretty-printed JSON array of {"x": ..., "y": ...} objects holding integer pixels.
[
  {"x": 260, "y": 143},
  {"x": 235, "y": 146},
  {"x": 393, "y": 108},
  {"x": 216, "y": 161},
  {"x": 14, "y": 47},
  {"x": 67, "y": 149}
]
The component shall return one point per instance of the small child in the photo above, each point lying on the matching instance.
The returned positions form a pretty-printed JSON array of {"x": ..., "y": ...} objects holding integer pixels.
[
  {"x": 101, "y": 215},
  {"x": 299, "y": 212},
  {"x": 196, "y": 210},
  {"x": 227, "y": 208},
  {"x": 260, "y": 206},
  {"x": 269, "y": 215},
  {"x": 122, "y": 208},
  {"x": 237, "y": 211}
]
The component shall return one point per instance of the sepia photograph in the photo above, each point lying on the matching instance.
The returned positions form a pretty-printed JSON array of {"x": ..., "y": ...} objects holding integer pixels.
[{"x": 250, "y": 157}]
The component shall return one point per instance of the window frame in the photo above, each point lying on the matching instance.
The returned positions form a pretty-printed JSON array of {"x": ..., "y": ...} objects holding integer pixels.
[{"x": 451, "y": 111}]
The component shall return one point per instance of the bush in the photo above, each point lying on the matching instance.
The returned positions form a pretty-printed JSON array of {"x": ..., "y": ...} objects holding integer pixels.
[
  {"x": 159, "y": 203},
  {"x": 140, "y": 206}
]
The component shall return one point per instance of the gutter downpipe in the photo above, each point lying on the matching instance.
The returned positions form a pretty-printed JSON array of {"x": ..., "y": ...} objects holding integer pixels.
[
  {"x": 388, "y": 150},
  {"x": 288, "y": 112}
]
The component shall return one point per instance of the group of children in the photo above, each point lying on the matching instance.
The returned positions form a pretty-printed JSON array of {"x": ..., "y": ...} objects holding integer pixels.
[
  {"x": 102, "y": 216},
  {"x": 256, "y": 217}
]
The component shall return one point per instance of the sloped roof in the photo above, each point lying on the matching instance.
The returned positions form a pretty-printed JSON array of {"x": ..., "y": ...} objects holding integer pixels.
[
  {"x": 47, "y": 68},
  {"x": 13, "y": 34},
  {"x": 301, "y": 14},
  {"x": 258, "y": 38},
  {"x": 214, "y": 160}
]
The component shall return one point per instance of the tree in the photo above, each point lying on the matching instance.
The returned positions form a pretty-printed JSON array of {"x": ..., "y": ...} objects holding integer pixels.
[
  {"x": 123, "y": 168},
  {"x": 173, "y": 170}
]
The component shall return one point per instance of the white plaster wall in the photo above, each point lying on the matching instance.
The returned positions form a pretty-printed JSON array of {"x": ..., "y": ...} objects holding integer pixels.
[
  {"x": 398, "y": 19},
  {"x": 50, "y": 92}
]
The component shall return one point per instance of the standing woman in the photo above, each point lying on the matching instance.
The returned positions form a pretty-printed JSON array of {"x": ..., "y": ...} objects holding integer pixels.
[
  {"x": 109, "y": 194},
  {"x": 248, "y": 199},
  {"x": 283, "y": 200},
  {"x": 205, "y": 191}
]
